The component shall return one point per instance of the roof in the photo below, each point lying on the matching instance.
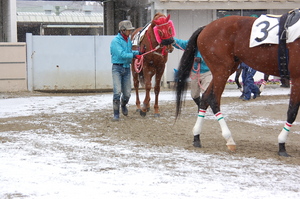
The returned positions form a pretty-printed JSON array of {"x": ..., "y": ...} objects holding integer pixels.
[
  {"x": 65, "y": 17},
  {"x": 59, "y": 12}
]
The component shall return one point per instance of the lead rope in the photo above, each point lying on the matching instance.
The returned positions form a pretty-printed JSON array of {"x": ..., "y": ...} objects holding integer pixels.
[
  {"x": 197, "y": 75},
  {"x": 139, "y": 63}
]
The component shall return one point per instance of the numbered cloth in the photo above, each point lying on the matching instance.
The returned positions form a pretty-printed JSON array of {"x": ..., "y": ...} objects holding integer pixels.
[{"x": 265, "y": 31}]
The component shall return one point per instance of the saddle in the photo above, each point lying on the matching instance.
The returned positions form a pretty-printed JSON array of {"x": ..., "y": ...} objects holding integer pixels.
[
  {"x": 285, "y": 21},
  {"x": 136, "y": 40}
]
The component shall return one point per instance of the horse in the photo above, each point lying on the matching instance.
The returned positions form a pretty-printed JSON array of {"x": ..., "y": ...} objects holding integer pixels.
[
  {"x": 224, "y": 44},
  {"x": 154, "y": 45}
]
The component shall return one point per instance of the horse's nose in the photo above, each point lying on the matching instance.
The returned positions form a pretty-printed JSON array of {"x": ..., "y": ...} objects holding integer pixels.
[{"x": 170, "y": 48}]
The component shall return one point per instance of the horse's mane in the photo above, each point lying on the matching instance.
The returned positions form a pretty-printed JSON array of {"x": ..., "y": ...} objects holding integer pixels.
[
  {"x": 156, "y": 16},
  {"x": 184, "y": 69}
]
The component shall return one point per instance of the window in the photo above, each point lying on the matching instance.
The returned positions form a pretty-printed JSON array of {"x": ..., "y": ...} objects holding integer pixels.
[{"x": 252, "y": 13}]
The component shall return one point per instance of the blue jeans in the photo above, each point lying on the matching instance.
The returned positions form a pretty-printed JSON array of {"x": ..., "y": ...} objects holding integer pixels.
[
  {"x": 121, "y": 83},
  {"x": 248, "y": 81}
]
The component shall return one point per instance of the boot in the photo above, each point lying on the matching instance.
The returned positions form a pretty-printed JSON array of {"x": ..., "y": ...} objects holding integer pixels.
[
  {"x": 116, "y": 107},
  {"x": 197, "y": 101},
  {"x": 123, "y": 107}
]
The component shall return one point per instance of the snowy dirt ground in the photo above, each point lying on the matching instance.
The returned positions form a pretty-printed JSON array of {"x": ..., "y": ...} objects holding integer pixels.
[{"x": 66, "y": 146}]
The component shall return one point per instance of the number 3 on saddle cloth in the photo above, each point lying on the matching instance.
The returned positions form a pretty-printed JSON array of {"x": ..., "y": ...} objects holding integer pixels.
[{"x": 277, "y": 29}]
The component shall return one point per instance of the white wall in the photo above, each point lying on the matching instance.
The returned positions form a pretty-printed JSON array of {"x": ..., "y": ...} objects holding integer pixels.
[{"x": 65, "y": 63}]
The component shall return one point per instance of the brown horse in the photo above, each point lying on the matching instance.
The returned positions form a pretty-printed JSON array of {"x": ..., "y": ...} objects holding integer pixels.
[
  {"x": 155, "y": 45},
  {"x": 224, "y": 44}
]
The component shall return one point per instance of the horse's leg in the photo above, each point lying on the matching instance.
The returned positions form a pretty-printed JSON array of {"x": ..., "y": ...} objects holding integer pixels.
[
  {"x": 146, "y": 104},
  {"x": 136, "y": 82},
  {"x": 291, "y": 116},
  {"x": 212, "y": 98},
  {"x": 201, "y": 115},
  {"x": 198, "y": 126},
  {"x": 158, "y": 76},
  {"x": 214, "y": 103}
]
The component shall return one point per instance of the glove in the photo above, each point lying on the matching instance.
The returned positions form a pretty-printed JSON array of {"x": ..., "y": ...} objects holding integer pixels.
[{"x": 138, "y": 56}]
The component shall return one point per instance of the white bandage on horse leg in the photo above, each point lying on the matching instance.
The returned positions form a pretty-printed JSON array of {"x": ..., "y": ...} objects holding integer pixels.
[
  {"x": 198, "y": 126},
  {"x": 284, "y": 133},
  {"x": 225, "y": 130}
]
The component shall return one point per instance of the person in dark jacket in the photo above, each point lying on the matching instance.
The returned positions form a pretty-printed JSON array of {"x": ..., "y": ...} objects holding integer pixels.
[
  {"x": 249, "y": 86},
  {"x": 121, "y": 57}
]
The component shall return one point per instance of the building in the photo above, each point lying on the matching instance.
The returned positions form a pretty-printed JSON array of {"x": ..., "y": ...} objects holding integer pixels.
[{"x": 59, "y": 18}]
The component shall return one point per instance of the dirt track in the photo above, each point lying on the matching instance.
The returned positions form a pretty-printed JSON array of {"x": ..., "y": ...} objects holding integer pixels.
[{"x": 254, "y": 127}]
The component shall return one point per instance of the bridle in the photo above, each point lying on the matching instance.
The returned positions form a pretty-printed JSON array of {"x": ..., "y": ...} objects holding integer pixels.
[{"x": 164, "y": 32}]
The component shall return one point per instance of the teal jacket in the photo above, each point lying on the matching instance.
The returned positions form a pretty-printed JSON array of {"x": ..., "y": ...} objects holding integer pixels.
[
  {"x": 121, "y": 51},
  {"x": 183, "y": 44}
]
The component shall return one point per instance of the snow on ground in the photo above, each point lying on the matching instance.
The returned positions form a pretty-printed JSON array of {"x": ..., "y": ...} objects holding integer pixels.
[{"x": 92, "y": 168}]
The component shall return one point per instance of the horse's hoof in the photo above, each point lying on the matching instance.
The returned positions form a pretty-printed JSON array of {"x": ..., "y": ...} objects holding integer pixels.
[
  {"x": 148, "y": 109},
  {"x": 138, "y": 110},
  {"x": 232, "y": 148},
  {"x": 142, "y": 113},
  {"x": 156, "y": 115},
  {"x": 197, "y": 144},
  {"x": 284, "y": 154}
]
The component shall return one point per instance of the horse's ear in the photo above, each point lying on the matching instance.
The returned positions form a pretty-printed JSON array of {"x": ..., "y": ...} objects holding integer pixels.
[{"x": 168, "y": 17}]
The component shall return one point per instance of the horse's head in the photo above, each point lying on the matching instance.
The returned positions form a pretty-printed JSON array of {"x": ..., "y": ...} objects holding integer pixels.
[{"x": 164, "y": 31}]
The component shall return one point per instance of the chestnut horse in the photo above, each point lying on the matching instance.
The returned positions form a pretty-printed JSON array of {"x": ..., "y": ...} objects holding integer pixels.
[
  {"x": 155, "y": 45},
  {"x": 224, "y": 44}
]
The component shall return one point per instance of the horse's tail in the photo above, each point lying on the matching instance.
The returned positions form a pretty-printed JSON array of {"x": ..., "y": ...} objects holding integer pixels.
[{"x": 184, "y": 69}]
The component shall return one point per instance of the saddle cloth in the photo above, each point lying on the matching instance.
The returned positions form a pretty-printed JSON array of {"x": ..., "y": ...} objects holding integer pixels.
[
  {"x": 136, "y": 40},
  {"x": 265, "y": 31}
]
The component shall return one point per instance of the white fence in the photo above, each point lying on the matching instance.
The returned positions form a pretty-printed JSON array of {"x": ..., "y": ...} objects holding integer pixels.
[{"x": 68, "y": 63}]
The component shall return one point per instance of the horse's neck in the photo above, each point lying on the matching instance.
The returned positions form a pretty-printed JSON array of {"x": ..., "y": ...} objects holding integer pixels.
[{"x": 150, "y": 40}]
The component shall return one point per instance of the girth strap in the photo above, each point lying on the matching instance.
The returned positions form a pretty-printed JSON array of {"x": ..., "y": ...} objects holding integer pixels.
[{"x": 283, "y": 53}]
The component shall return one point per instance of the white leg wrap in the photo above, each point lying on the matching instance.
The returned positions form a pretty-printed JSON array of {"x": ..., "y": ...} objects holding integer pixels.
[
  {"x": 284, "y": 133},
  {"x": 198, "y": 126},
  {"x": 225, "y": 130}
]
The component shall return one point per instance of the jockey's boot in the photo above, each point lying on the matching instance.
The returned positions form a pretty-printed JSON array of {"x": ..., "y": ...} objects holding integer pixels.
[
  {"x": 123, "y": 107},
  {"x": 197, "y": 101},
  {"x": 116, "y": 107}
]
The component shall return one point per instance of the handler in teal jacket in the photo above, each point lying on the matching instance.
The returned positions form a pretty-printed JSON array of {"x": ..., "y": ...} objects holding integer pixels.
[
  {"x": 200, "y": 74},
  {"x": 121, "y": 57}
]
